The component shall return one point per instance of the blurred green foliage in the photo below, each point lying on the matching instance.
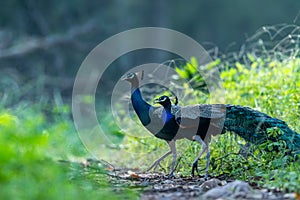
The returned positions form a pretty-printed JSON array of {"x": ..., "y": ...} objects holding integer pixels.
[{"x": 30, "y": 147}]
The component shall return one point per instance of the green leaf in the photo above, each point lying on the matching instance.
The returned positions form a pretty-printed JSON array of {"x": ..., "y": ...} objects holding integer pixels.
[
  {"x": 213, "y": 64},
  {"x": 182, "y": 73},
  {"x": 191, "y": 68}
]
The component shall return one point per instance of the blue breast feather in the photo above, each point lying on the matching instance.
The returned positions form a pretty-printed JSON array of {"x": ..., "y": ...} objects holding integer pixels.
[{"x": 166, "y": 116}]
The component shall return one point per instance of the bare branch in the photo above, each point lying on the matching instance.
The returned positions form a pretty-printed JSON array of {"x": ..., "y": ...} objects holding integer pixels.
[{"x": 30, "y": 45}]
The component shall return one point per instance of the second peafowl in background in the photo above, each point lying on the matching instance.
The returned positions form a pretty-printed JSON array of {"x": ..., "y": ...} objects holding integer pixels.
[
  {"x": 155, "y": 120},
  {"x": 249, "y": 124}
]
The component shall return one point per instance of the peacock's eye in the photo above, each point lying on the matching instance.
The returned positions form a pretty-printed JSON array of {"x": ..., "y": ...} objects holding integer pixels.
[
  {"x": 130, "y": 75},
  {"x": 163, "y": 98}
]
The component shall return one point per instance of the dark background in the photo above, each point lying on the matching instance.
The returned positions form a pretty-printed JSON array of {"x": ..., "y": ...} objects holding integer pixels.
[{"x": 42, "y": 43}]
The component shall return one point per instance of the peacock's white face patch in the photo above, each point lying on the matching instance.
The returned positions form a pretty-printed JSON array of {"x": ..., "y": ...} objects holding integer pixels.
[
  {"x": 130, "y": 75},
  {"x": 163, "y": 98}
]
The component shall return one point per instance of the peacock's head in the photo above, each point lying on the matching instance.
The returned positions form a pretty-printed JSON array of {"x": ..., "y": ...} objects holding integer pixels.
[
  {"x": 164, "y": 101},
  {"x": 130, "y": 77}
]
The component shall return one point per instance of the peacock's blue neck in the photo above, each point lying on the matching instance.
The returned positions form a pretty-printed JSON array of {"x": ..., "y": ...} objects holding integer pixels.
[
  {"x": 140, "y": 106},
  {"x": 167, "y": 115}
]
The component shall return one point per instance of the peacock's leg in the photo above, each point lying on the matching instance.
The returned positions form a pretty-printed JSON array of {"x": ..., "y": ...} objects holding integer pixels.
[
  {"x": 157, "y": 162},
  {"x": 174, "y": 156},
  {"x": 207, "y": 162},
  {"x": 203, "y": 149}
]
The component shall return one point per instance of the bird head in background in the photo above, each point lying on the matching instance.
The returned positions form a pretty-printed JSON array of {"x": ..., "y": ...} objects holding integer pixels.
[
  {"x": 164, "y": 101},
  {"x": 130, "y": 77}
]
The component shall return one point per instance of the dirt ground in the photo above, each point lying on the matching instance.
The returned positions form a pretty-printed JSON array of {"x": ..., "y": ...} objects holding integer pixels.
[
  {"x": 154, "y": 186},
  {"x": 158, "y": 186}
]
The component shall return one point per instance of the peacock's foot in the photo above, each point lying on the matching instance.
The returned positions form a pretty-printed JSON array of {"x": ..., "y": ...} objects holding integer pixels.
[
  {"x": 206, "y": 176},
  {"x": 195, "y": 168},
  {"x": 154, "y": 166},
  {"x": 171, "y": 175}
]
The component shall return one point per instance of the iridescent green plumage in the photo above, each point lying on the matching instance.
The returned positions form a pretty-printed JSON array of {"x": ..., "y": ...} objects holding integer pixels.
[{"x": 254, "y": 126}]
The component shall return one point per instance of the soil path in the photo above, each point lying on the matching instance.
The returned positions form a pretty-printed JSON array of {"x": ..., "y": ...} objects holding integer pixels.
[{"x": 154, "y": 186}]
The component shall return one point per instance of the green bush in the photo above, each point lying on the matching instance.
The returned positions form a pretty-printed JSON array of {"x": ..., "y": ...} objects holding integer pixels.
[{"x": 271, "y": 87}]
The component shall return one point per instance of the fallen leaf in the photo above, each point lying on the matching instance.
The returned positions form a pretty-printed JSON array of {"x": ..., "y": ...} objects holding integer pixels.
[
  {"x": 297, "y": 196},
  {"x": 133, "y": 175}
]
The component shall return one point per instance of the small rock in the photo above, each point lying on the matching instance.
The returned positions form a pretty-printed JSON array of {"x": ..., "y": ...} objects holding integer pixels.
[
  {"x": 289, "y": 196},
  {"x": 193, "y": 187},
  {"x": 212, "y": 183},
  {"x": 167, "y": 181},
  {"x": 264, "y": 190},
  {"x": 256, "y": 195},
  {"x": 236, "y": 189},
  {"x": 202, "y": 179},
  {"x": 145, "y": 183},
  {"x": 216, "y": 193},
  {"x": 157, "y": 187}
]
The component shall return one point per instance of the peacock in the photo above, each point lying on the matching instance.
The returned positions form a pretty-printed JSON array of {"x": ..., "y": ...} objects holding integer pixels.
[
  {"x": 151, "y": 118},
  {"x": 211, "y": 119}
]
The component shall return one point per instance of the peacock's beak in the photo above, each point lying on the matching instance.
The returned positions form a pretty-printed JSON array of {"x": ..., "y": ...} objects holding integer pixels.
[
  {"x": 124, "y": 78},
  {"x": 156, "y": 101}
]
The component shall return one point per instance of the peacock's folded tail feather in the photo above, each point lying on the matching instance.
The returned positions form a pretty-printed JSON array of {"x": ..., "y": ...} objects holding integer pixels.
[{"x": 254, "y": 127}]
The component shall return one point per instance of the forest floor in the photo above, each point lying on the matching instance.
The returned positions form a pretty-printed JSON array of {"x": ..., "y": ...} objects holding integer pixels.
[{"x": 156, "y": 186}]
